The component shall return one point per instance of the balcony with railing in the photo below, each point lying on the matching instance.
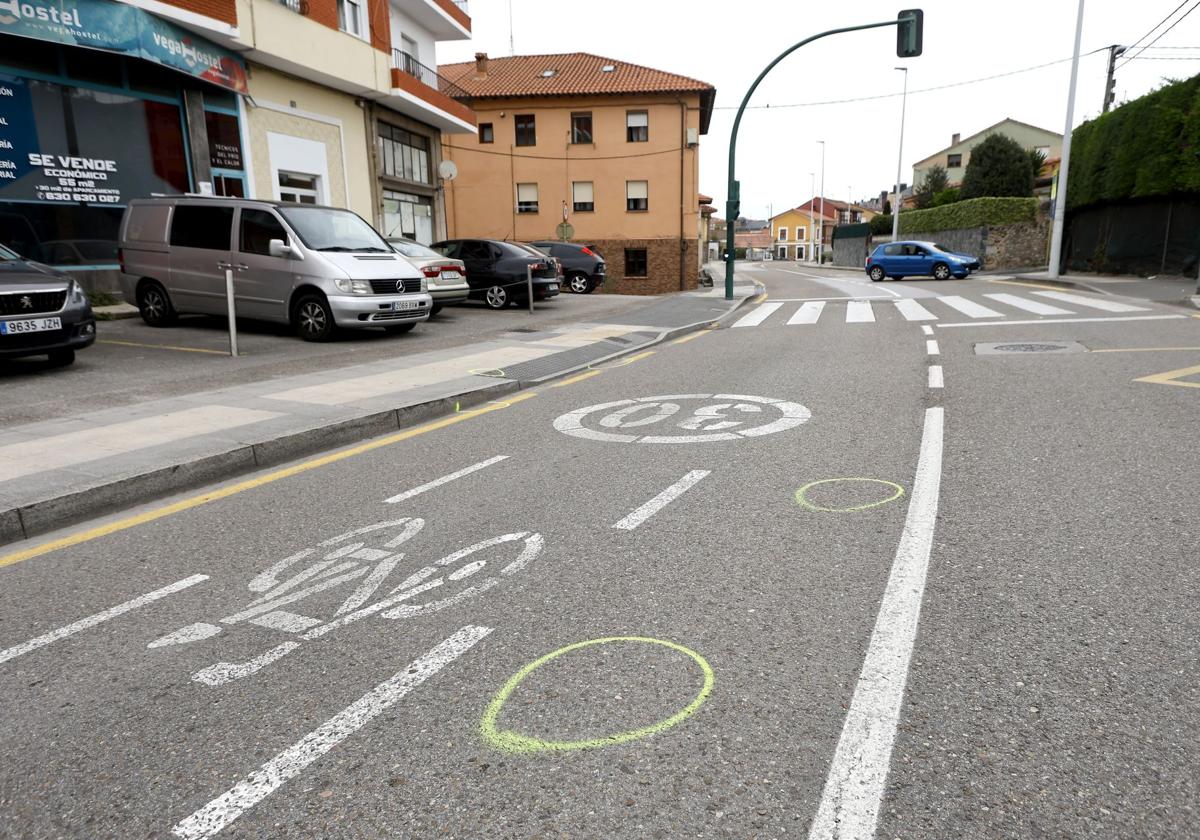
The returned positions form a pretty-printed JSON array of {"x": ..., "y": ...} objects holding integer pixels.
[{"x": 412, "y": 77}]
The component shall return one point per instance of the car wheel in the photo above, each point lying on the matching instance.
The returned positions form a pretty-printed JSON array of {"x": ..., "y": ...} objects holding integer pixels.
[
  {"x": 397, "y": 329},
  {"x": 154, "y": 304},
  {"x": 876, "y": 273},
  {"x": 579, "y": 283},
  {"x": 61, "y": 358},
  {"x": 497, "y": 297},
  {"x": 314, "y": 318},
  {"x": 435, "y": 309},
  {"x": 941, "y": 271}
]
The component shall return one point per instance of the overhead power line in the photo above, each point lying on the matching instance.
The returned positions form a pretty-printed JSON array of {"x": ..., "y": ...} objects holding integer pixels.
[
  {"x": 1160, "y": 23},
  {"x": 1164, "y": 32}
]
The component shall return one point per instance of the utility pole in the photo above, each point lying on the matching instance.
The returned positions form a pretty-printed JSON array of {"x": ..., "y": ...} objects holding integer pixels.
[
  {"x": 899, "y": 160},
  {"x": 821, "y": 237},
  {"x": 1064, "y": 166},
  {"x": 1110, "y": 86},
  {"x": 812, "y": 191}
]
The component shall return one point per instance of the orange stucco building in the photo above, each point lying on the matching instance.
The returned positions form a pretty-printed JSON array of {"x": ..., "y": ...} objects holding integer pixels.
[{"x": 609, "y": 147}]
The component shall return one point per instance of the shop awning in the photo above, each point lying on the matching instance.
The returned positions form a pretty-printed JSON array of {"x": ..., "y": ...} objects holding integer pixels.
[{"x": 106, "y": 25}]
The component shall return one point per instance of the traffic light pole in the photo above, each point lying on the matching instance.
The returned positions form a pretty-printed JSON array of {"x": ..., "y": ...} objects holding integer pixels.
[{"x": 733, "y": 190}]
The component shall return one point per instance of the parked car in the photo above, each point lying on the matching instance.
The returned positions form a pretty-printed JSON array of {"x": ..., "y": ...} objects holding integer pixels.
[
  {"x": 42, "y": 311},
  {"x": 317, "y": 268},
  {"x": 446, "y": 277},
  {"x": 583, "y": 267},
  {"x": 496, "y": 270},
  {"x": 918, "y": 259}
]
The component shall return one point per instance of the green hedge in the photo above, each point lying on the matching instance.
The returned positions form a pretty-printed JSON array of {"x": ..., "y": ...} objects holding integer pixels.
[
  {"x": 1148, "y": 147},
  {"x": 974, "y": 212}
]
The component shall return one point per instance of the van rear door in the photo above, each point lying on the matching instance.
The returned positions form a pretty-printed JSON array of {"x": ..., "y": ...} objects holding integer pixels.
[{"x": 201, "y": 239}]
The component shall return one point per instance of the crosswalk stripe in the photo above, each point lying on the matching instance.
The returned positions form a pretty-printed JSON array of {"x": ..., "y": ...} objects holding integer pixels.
[
  {"x": 1094, "y": 303},
  {"x": 808, "y": 313},
  {"x": 859, "y": 312},
  {"x": 758, "y": 315},
  {"x": 913, "y": 311},
  {"x": 969, "y": 307},
  {"x": 1036, "y": 307}
]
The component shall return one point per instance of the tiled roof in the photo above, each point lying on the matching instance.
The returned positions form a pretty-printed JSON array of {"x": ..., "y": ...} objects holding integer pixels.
[
  {"x": 704, "y": 199},
  {"x": 574, "y": 74}
]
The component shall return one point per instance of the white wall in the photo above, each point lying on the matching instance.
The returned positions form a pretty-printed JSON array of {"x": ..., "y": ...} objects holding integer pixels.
[{"x": 402, "y": 24}]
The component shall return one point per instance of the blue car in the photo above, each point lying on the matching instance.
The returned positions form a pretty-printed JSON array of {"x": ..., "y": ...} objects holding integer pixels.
[{"x": 918, "y": 259}]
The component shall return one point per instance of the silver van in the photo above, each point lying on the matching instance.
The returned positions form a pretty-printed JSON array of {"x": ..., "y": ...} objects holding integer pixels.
[{"x": 317, "y": 268}]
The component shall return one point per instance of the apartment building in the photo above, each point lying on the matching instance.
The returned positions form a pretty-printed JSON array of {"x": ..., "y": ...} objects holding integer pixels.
[
  {"x": 794, "y": 233},
  {"x": 317, "y": 101},
  {"x": 586, "y": 148}
]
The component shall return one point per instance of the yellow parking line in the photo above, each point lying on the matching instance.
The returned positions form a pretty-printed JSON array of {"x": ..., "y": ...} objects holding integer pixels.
[
  {"x": 587, "y": 375},
  {"x": 249, "y": 484},
  {"x": 690, "y": 337},
  {"x": 1142, "y": 349},
  {"x": 1171, "y": 377},
  {"x": 162, "y": 347}
]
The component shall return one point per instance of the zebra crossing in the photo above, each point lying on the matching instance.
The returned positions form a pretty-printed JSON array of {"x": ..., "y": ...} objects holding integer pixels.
[{"x": 999, "y": 305}]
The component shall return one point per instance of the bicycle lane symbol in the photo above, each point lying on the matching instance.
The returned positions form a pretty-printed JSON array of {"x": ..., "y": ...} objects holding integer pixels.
[{"x": 346, "y": 561}]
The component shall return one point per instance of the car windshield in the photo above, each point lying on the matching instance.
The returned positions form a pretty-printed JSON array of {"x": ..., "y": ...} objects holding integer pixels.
[
  {"x": 329, "y": 229},
  {"x": 7, "y": 255},
  {"x": 413, "y": 249},
  {"x": 533, "y": 249}
]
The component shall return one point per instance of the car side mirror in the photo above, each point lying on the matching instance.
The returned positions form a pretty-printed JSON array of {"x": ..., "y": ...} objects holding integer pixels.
[{"x": 279, "y": 248}]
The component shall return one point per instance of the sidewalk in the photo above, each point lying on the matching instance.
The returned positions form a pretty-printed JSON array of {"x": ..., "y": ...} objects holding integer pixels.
[
  {"x": 56, "y": 472},
  {"x": 1163, "y": 288}
]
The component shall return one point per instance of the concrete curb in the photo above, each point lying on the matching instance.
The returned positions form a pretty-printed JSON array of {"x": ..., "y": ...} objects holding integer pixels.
[
  {"x": 115, "y": 312},
  {"x": 1059, "y": 282},
  {"x": 46, "y": 515}
]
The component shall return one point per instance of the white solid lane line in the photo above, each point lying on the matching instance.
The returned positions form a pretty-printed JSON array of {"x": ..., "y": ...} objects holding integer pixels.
[
  {"x": 969, "y": 307},
  {"x": 859, "y": 312},
  {"x": 260, "y": 784},
  {"x": 1034, "y": 306},
  {"x": 661, "y": 500},
  {"x": 936, "y": 379},
  {"x": 758, "y": 314},
  {"x": 1064, "y": 321},
  {"x": 446, "y": 479},
  {"x": 854, "y": 788},
  {"x": 1094, "y": 303},
  {"x": 913, "y": 311},
  {"x": 931, "y": 347},
  {"x": 808, "y": 313},
  {"x": 98, "y": 618},
  {"x": 926, "y": 329}
]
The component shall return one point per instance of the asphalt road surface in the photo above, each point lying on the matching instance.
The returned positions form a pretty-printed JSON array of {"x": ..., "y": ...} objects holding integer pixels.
[{"x": 843, "y": 571}]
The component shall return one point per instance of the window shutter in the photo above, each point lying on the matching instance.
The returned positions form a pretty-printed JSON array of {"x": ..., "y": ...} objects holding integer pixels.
[
  {"x": 637, "y": 119},
  {"x": 582, "y": 192},
  {"x": 527, "y": 192},
  {"x": 637, "y": 189}
]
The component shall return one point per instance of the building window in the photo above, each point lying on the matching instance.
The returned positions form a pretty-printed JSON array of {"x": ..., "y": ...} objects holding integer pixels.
[
  {"x": 581, "y": 127},
  {"x": 637, "y": 196},
  {"x": 404, "y": 154},
  {"x": 298, "y": 188},
  {"x": 582, "y": 196},
  {"x": 953, "y": 161},
  {"x": 800, "y": 252},
  {"x": 637, "y": 126},
  {"x": 635, "y": 262},
  {"x": 782, "y": 253},
  {"x": 486, "y": 134},
  {"x": 350, "y": 17},
  {"x": 801, "y": 234},
  {"x": 526, "y": 130},
  {"x": 408, "y": 215},
  {"x": 527, "y": 198},
  {"x": 783, "y": 234}
]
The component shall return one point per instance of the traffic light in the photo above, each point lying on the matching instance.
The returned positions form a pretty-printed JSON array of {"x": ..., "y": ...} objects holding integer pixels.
[{"x": 908, "y": 32}]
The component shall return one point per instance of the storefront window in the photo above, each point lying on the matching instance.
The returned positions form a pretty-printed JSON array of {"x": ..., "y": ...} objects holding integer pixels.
[
  {"x": 408, "y": 216},
  {"x": 404, "y": 154}
]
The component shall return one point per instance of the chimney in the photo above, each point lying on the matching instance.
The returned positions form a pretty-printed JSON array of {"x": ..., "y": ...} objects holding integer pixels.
[
  {"x": 481, "y": 63},
  {"x": 954, "y": 138}
]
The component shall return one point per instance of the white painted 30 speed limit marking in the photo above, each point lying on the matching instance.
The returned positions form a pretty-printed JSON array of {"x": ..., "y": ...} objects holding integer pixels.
[{"x": 683, "y": 418}]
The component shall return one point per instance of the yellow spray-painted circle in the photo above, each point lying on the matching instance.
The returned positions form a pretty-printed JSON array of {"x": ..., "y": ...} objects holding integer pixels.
[
  {"x": 802, "y": 495},
  {"x": 513, "y": 742}
]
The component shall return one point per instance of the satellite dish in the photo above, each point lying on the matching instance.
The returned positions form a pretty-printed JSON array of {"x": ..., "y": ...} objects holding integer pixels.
[{"x": 447, "y": 170}]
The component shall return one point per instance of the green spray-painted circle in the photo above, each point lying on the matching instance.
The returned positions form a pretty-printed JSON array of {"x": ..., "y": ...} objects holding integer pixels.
[
  {"x": 514, "y": 742},
  {"x": 802, "y": 495}
]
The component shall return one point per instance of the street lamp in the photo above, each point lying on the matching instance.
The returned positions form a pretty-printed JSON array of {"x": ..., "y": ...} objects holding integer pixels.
[
  {"x": 812, "y": 191},
  {"x": 821, "y": 222},
  {"x": 899, "y": 160},
  {"x": 1064, "y": 162}
]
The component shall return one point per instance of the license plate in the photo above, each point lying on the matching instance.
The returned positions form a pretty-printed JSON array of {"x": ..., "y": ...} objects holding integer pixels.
[
  {"x": 451, "y": 275},
  {"x": 405, "y": 305},
  {"x": 30, "y": 326}
]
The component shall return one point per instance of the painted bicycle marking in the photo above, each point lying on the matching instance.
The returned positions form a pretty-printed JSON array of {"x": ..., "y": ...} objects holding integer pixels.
[
  {"x": 719, "y": 417},
  {"x": 349, "y": 560}
]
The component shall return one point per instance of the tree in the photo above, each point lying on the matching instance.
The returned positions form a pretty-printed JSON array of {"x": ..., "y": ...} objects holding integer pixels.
[
  {"x": 1037, "y": 159},
  {"x": 998, "y": 167},
  {"x": 887, "y": 207},
  {"x": 935, "y": 181},
  {"x": 946, "y": 196}
]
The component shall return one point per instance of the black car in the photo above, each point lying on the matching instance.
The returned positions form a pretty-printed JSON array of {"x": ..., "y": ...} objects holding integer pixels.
[
  {"x": 496, "y": 271},
  {"x": 583, "y": 266},
  {"x": 42, "y": 311}
]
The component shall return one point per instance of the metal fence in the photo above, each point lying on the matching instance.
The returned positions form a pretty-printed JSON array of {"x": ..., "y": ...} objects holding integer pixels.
[
  {"x": 1158, "y": 236},
  {"x": 409, "y": 64}
]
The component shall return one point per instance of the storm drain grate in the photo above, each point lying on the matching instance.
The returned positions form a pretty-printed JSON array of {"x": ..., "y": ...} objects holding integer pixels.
[{"x": 999, "y": 348}]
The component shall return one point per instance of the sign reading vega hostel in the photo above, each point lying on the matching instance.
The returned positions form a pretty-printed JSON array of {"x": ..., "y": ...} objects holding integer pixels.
[{"x": 102, "y": 24}]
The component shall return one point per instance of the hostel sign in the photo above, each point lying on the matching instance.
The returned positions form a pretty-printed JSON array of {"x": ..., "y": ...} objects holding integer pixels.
[{"x": 106, "y": 25}]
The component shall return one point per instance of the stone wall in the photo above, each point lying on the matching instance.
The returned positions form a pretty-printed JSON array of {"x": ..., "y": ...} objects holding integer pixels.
[
  {"x": 662, "y": 265},
  {"x": 1023, "y": 245}
]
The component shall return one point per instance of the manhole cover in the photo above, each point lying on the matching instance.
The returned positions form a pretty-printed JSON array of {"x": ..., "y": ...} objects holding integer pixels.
[{"x": 1003, "y": 348}]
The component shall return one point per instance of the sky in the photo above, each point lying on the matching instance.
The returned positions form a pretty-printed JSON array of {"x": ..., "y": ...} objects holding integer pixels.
[{"x": 778, "y": 146}]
